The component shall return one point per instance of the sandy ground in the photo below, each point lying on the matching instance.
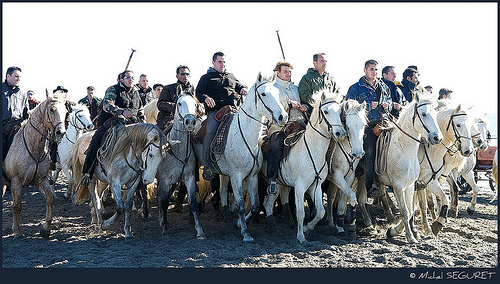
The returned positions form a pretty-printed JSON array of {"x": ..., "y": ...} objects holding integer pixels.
[{"x": 468, "y": 241}]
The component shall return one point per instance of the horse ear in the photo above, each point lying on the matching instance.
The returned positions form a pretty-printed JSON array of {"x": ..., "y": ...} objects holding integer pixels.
[
  {"x": 259, "y": 77},
  {"x": 459, "y": 107},
  {"x": 273, "y": 78},
  {"x": 46, "y": 93}
]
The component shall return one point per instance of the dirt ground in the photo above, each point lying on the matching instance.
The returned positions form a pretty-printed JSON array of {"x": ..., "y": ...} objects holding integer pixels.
[{"x": 468, "y": 241}]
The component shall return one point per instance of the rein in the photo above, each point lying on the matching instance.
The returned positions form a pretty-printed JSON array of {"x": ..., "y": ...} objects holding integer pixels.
[
  {"x": 415, "y": 114},
  {"x": 458, "y": 137},
  {"x": 74, "y": 124}
]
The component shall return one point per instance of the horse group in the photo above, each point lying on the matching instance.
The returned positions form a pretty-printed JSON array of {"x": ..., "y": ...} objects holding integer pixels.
[{"x": 426, "y": 143}]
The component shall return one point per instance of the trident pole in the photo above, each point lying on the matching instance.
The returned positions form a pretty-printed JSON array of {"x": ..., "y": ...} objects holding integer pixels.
[
  {"x": 282, "y": 52},
  {"x": 130, "y": 58}
]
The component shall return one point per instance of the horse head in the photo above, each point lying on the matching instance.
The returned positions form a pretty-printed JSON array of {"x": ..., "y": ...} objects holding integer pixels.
[
  {"x": 186, "y": 111},
  {"x": 479, "y": 133},
  {"x": 266, "y": 98},
  {"x": 355, "y": 121},
  {"x": 54, "y": 113},
  {"x": 425, "y": 116},
  {"x": 461, "y": 126},
  {"x": 152, "y": 153},
  {"x": 329, "y": 110},
  {"x": 80, "y": 118}
]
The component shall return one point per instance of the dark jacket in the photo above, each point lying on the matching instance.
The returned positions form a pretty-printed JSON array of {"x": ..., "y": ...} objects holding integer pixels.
[
  {"x": 146, "y": 95},
  {"x": 396, "y": 95},
  {"x": 93, "y": 105},
  {"x": 408, "y": 88},
  {"x": 14, "y": 103},
  {"x": 167, "y": 100},
  {"x": 363, "y": 93},
  {"x": 119, "y": 98},
  {"x": 312, "y": 82},
  {"x": 220, "y": 87}
]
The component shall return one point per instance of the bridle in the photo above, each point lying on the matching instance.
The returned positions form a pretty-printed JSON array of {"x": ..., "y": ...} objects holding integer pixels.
[
  {"x": 458, "y": 142},
  {"x": 322, "y": 117},
  {"x": 73, "y": 123},
  {"x": 415, "y": 115},
  {"x": 349, "y": 157}
]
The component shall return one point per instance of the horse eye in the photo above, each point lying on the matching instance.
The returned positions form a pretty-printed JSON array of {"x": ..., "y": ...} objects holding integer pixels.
[
  {"x": 459, "y": 125},
  {"x": 151, "y": 155},
  {"x": 263, "y": 94},
  {"x": 52, "y": 109},
  {"x": 326, "y": 112},
  {"x": 179, "y": 104}
]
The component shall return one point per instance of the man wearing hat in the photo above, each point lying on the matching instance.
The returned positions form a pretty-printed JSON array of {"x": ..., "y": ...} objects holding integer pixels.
[
  {"x": 445, "y": 94},
  {"x": 91, "y": 102}
]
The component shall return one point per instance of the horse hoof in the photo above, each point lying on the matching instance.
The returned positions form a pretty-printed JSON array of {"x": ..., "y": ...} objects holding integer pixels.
[
  {"x": 128, "y": 238},
  {"x": 201, "y": 238},
  {"x": 471, "y": 211},
  {"x": 436, "y": 227},
  {"x": 391, "y": 232},
  {"x": 248, "y": 240},
  {"x": 44, "y": 233}
]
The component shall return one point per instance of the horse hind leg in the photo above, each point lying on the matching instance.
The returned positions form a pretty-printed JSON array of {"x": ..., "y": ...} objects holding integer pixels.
[
  {"x": 469, "y": 177},
  {"x": 453, "y": 212},
  {"x": 238, "y": 195},
  {"x": 405, "y": 214},
  {"x": 163, "y": 196},
  {"x": 422, "y": 202},
  {"x": 15, "y": 188},
  {"x": 299, "y": 207}
]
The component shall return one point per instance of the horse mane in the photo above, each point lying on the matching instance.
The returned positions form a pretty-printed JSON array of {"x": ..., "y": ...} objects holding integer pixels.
[
  {"x": 354, "y": 106},
  {"x": 135, "y": 136}
]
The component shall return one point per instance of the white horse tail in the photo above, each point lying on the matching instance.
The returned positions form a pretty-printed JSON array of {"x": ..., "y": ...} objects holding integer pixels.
[{"x": 81, "y": 193}]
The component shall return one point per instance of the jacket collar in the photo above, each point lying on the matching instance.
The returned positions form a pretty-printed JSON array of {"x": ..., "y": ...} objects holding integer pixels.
[
  {"x": 13, "y": 88},
  {"x": 408, "y": 84},
  {"x": 287, "y": 85}
]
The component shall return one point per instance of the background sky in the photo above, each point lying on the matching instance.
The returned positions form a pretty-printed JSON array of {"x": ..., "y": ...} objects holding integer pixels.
[{"x": 454, "y": 45}]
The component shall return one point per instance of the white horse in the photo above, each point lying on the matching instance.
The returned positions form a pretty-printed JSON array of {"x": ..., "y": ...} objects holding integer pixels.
[
  {"x": 79, "y": 122},
  {"x": 464, "y": 166},
  {"x": 151, "y": 111},
  {"x": 344, "y": 159},
  {"x": 134, "y": 153},
  {"x": 306, "y": 167},
  {"x": 180, "y": 163},
  {"x": 455, "y": 123},
  {"x": 417, "y": 120},
  {"x": 241, "y": 160}
]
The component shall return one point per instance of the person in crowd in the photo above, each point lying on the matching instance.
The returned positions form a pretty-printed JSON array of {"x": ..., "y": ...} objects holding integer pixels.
[
  {"x": 398, "y": 98},
  {"x": 216, "y": 89},
  {"x": 444, "y": 93},
  {"x": 409, "y": 83},
  {"x": 91, "y": 102},
  {"x": 158, "y": 88},
  {"x": 375, "y": 94},
  {"x": 32, "y": 102},
  {"x": 146, "y": 93}
]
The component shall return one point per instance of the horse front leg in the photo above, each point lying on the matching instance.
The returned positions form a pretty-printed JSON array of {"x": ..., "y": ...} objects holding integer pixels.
[
  {"x": 405, "y": 222},
  {"x": 299, "y": 208},
  {"x": 190, "y": 183},
  {"x": 223, "y": 188},
  {"x": 439, "y": 223},
  {"x": 251, "y": 188},
  {"x": 164, "y": 188},
  {"x": 128, "y": 209},
  {"x": 45, "y": 188},
  {"x": 268, "y": 203},
  {"x": 116, "y": 189},
  {"x": 331, "y": 192},
  {"x": 362, "y": 198},
  {"x": 236, "y": 183},
  {"x": 15, "y": 189},
  {"x": 422, "y": 202},
  {"x": 469, "y": 177},
  {"x": 317, "y": 194}
]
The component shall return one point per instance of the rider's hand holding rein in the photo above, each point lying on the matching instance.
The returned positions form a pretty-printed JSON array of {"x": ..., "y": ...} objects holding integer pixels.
[{"x": 127, "y": 113}]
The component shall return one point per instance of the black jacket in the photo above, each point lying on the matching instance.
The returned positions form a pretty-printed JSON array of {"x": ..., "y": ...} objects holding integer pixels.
[
  {"x": 167, "y": 100},
  {"x": 220, "y": 87}
]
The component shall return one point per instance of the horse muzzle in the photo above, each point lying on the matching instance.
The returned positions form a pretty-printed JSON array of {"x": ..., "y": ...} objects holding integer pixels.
[
  {"x": 282, "y": 119},
  {"x": 467, "y": 151},
  {"x": 189, "y": 122},
  {"x": 89, "y": 127},
  {"x": 338, "y": 133},
  {"x": 59, "y": 134},
  {"x": 435, "y": 138}
]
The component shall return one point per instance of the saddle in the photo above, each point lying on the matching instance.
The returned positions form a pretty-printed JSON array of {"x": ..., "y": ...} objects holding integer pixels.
[
  {"x": 383, "y": 141},
  {"x": 293, "y": 132},
  {"x": 218, "y": 144},
  {"x": 219, "y": 116}
]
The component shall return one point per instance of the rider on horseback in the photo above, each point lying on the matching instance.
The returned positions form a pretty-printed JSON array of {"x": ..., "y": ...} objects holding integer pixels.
[
  {"x": 14, "y": 107},
  {"x": 216, "y": 89},
  {"x": 121, "y": 105},
  {"x": 371, "y": 91},
  {"x": 289, "y": 96}
]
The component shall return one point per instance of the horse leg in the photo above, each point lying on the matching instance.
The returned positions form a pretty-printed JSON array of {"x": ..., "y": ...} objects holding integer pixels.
[
  {"x": 269, "y": 201},
  {"x": 469, "y": 177},
  {"x": 404, "y": 208},
  {"x": 190, "y": 183},
  {"x": 388, "y": 207},
  {"x": 317, "y": 194},
  {"x": 250, "y": 186},
  {"x": 163, "y": 194},
  {"x": 362, "y": 198},
  {"x": 422, "y": 202},
  {"x": 430, "y": 204},
  {"x": 128, "y": 208},
  {"x": 116, "y": 189},
  {"x": 287, "y": 213},
  {"x": 299, "y": 208},
  {"x": 236, "y": 183},
  {"x": 441, "y": 220},
  {"x": 15, "y": 189},
  {"x": 341, "y": 210},
  {"x": 331, "y": 192},
  {"x": 45, "y": 188},
  {"x": 228, "y": 216}
]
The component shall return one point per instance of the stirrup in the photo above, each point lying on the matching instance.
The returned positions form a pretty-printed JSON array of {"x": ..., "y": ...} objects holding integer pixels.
[
  {"x": 375, "y": 192},
  {"x": 207, "y": 174},
  {"x": 272, "y": 189},
  {"x": 85, "y": 180}
]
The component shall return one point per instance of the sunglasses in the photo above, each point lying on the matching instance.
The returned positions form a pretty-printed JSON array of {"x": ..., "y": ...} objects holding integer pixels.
[
  {"x": 128, "y": 77},
  {"x": 186, "y": 74}
]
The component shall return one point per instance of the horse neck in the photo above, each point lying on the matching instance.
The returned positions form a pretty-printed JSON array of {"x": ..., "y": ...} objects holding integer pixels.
[
  {"x": 320, "y": 143},
  {"x": 405, "y": 121},
  {"x": 72, "y": 133},
  {"x": 443, "y": 120},
  {"x": 36, "y": 139},
  {"x": 178, "y": 132},
  {"x": 249, "y": 122}
]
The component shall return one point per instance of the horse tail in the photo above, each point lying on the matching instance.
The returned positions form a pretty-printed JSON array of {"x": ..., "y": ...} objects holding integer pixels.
[{"x": 81, "y": 192}]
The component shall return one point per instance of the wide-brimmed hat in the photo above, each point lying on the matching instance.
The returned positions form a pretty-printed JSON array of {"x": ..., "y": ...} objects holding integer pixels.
[{"x": 60, "y": 88}]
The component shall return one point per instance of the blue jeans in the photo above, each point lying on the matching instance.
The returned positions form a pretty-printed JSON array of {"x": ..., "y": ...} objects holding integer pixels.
[
  {"x": 369, "y": 145},
  {"x": 211, "y": 129}
]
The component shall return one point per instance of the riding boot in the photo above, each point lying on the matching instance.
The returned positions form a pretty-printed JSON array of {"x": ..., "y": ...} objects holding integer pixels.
[
  {"x": 273, "y": 161},
  {"x": 91, "y": 154},
  {"x": 53, "y": 155}
]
